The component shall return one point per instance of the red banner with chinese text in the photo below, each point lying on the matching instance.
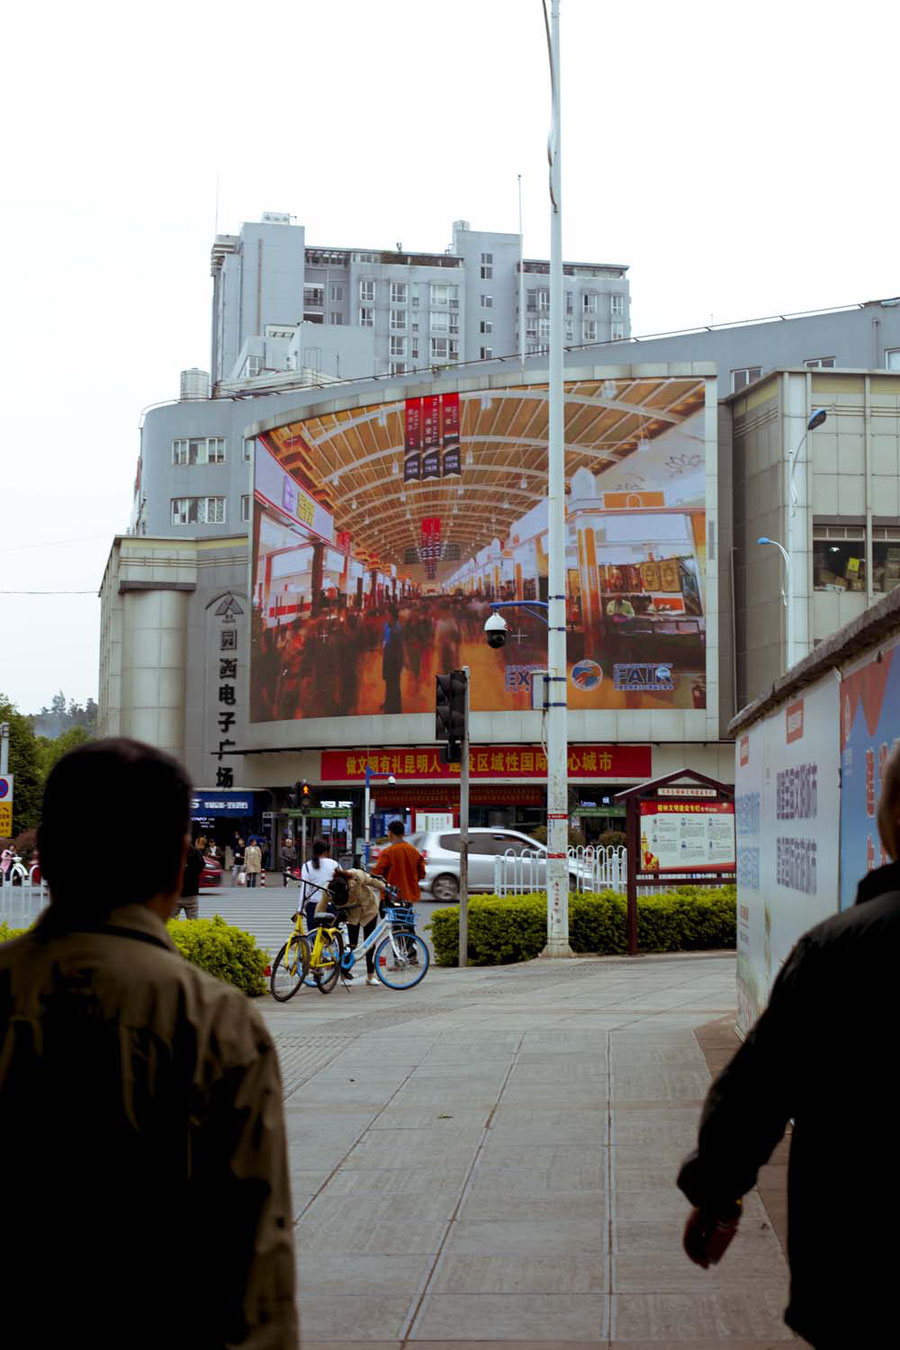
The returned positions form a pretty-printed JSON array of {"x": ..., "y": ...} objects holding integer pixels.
[
  {"x": 488, "y": 761},
  {"x": 431, "y": 421}
]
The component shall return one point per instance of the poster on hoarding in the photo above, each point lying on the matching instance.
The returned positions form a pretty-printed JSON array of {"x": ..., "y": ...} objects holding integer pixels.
[
  {"x": 410, "y": 599},
  {"x": 870, "y": 724},
  {"x": 787, "y": 805},
  {"x": 680, "y": 834}
]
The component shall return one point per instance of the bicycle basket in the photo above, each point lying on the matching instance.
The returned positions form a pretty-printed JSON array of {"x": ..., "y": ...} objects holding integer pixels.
[{"x": 403, "y": 915}]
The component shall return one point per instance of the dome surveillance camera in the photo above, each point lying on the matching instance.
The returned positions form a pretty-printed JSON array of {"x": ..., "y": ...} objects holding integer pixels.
[
  {"x": 392, "y": 782},
  {"x": 495, "y": 630}
]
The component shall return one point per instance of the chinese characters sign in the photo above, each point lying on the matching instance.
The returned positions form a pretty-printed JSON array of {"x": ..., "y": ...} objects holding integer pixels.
[
  {"x": 680, "y": 834},
  {"x": 494, "y": 761}
]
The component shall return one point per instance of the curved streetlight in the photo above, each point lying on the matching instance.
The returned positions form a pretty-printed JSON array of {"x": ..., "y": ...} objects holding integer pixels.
[
  {"x": 787, "y": 594},
  {"x": 816, "y": 418}
]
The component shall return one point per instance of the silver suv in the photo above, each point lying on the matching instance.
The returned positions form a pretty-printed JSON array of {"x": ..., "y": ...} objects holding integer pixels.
[{"x": 440, "y": 849}]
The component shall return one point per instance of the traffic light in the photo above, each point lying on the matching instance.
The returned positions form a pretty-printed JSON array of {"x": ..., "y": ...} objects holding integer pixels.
[
  {"x": 301, "y": 796},
  {"x": 450, "y": 712}
]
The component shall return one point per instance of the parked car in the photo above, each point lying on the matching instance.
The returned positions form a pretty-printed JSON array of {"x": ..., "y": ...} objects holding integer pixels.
[
  {"x": 440, "y": 849},
  {"x": 211, "y": 874}
]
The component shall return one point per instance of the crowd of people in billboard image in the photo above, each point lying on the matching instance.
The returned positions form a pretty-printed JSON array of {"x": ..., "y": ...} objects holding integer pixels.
[{"x": 345, "y": 662}]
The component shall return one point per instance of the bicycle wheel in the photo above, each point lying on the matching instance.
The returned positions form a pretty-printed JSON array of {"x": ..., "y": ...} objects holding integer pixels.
[
  {"x": 327, "y": 972},
  {"x": 289, "y": 968},
  {"x": 402, "y": 960}
]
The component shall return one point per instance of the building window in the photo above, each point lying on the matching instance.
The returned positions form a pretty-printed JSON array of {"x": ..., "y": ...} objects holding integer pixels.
[
  {"x": 367, "y": 292},
  {"x": 440, "y": 322},
  {"x": 486, "y": 326},
  {"x": 366, "y": 316},
  {"x": 414, "y": 348},
  {"x": 885, "y": 557},
  {"x": 589, "y": 330},
  {"x": 487, "y": 302},
  {"x": 747, "y": 375},
  {"x": 248, "y": 451},
  {"x": 336, "y": 293},
  {"x": 570, "y": 303},
  {"x": 617, "y": 331},
  {"x": 439, "y": 349},
  {"x": 589, "y": 304},
  {"x": 398, "y": 346},
  {"x": 487, "y": 267},
  {"x": 336, "y": 318},
  {"x": 892, "y": 358},
  {"x": 487, "y": 353},
  {"x": 454, "y": 350},
  {"x": 398, "y": 320},
  {"x": 617, "y": 306},
  {"x": 441, "y": 294},
  {"x": 399, "y": 293},
  {"x": 531, "y": 328},
  {"x": 245, "y": 507},
  {"x": 487, "y": 258},
  {"x": 199, "y": 450},
  {"x": 544, "y": 329},
  {"x": 313, "y": 297},
  {"x": 543, "y": 301},
  {"x": 398, "y": 368},
  {"x": 198, "y": 510},
  {"x": 820, "y": 363},
  {"x": 839, "y": 557},
  {"x": 570, "y": 330},
  {"x": 252, "y": 366}
]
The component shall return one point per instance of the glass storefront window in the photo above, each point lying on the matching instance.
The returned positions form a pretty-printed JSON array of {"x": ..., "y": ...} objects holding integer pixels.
[
  {"x": 839, "y": 565},
  {"x": 885, "y": 564}
]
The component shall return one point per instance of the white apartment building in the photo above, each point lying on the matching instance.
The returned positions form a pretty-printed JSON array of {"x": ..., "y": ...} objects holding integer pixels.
[{"x": 281, "y": 306}]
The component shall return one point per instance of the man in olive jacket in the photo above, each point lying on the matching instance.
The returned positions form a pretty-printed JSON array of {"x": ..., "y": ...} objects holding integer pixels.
[
  {"x": 824, "y": 1055},
  {"x": 145, "y": 1197}
]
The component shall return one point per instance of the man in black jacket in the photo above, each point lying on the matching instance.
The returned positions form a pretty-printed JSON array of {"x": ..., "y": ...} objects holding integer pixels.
[{"x": 823, "y": 1055}]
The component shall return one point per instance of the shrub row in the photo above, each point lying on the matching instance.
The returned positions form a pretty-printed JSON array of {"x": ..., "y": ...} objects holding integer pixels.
[
  {"x": 214, "y": 946},
  {"x": 514, "y": 928}
]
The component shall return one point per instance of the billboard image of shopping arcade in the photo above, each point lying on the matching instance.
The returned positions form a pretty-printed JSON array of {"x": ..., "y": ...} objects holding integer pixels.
[{"x": 381, "y": 535}]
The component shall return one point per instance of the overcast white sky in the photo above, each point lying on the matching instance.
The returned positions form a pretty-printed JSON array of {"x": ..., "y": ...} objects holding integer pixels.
[{"x": 741, "y": 160}]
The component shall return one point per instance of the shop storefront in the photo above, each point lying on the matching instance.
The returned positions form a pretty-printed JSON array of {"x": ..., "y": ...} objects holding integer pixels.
[{"x": 219, "y": 816}]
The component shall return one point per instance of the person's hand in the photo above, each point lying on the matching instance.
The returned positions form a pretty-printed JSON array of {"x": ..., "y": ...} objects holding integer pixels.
[{"x": 707, "y": 1236}]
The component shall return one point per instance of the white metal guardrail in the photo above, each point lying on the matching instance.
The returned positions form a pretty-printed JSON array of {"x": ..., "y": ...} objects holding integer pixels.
[
  {"x": 590, "y": 869},
  {"x": 22, "y": 902}
]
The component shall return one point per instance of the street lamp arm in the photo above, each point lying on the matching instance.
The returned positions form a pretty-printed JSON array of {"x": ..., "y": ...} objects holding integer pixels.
[{"x": 528, "y": 605}]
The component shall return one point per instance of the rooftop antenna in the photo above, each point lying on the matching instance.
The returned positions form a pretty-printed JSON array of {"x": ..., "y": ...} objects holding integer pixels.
[{"x": 216, "y": 229}]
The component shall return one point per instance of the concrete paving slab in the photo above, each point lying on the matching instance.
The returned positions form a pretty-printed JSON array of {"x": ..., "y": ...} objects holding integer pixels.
[
  {"x": 391, "y": 1237},
  {"x": 440, "y": 1175},
  {"x": 667, "y": 1272},
  {"x": 499, "y": 1317},
  {"x": 531, "y": 1208},
  {"x": 396, "y": 1149},
  {"x": 365, "y": 1317},
  {"x": 523, "y": 1273},
  {"x": 669, "y": 1319},
  {"x": 561, "y": 1236},
  {"x": 357, "y": 1212},
  {"x": 540, "y": 1177}
]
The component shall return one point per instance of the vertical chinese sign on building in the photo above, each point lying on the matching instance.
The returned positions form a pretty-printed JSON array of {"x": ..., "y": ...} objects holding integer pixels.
[
  {"x": 431, "y": 436},
  {"x": 452, "y": 458},
  {"x": 412, "y": 441},
  {"x": 225, "y": 688},
  {"x": 431, "y": 545}
]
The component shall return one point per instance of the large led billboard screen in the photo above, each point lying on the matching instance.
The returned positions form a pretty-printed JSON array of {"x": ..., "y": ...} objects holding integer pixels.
[{"x": 381, "y": 535}]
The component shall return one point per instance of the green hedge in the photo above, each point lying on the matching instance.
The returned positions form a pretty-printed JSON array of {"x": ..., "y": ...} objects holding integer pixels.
[
  {"x": 222, "y": 950},
  {"x": 514, "y": 928},
  {"x": 213, "y": 945}
]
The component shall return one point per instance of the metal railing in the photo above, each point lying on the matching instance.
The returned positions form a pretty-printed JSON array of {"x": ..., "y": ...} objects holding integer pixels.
[
  {"x": 20, "y": 904},
  {"x": 590, "y": 869}
]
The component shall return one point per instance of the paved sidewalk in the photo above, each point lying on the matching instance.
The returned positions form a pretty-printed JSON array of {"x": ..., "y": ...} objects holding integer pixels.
[{"x": 489, "y": 1160}]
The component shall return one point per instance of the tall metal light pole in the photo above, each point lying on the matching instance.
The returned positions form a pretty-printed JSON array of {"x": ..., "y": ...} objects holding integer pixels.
[
  {"x": 816, "y": 419},
  {"x": 787, "y": 596},
  {"x": 557, "y": 747}
]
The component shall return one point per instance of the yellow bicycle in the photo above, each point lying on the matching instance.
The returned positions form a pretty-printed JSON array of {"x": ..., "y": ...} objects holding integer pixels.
[{"x": 291, "y": 966}]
